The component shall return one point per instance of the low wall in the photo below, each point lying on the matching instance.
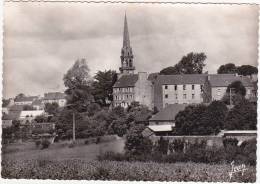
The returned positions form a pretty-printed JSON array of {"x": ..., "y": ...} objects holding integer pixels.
[{"x": 210, "y": 140}]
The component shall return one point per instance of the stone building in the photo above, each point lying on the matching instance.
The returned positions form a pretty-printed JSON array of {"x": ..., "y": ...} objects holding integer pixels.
[
  {"x": 159, "y": 91},
  {"x": 130, "y": 86}
]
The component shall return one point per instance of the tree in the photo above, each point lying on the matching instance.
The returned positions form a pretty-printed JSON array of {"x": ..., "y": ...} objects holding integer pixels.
[
  {"x": 102, "y": 87},
  {"x": 236, "y": 87},
  {"x": 135, "y": 143},
  {"x": 51, "y": 108},
  {"x": 78, "y": 83},
  {"x": 192, "y": 63},
  {"x": 188, "y": 121},
  {"x": 213, "y": 118},
  {"x": 247, "y": 70},
  {"x": 242, "y": 116},
  {"x": 20, "y": 95},
  {"x": 227, "y": 68}
]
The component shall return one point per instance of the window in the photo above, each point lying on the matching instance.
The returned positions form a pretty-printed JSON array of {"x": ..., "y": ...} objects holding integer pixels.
[
  {"x": 184, "y": 87},
  {"x": 184, "y": 96},
  {"x": 175, "y": 87},
  {"x": 192, "y": 86},
  {"x": 192, "y": 96},
  {"x": 165, "y": 87},
  {"x": 166, "y": 95},
  {"x": 126, "y": 96},
  {"x": 176, "y": 96}
]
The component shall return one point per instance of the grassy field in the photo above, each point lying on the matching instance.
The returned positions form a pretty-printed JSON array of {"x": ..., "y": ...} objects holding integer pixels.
[
  {"x": 60, "y": 151},
  {"x": 24, "y": 160},
  {"x": 113, "y": 170}
]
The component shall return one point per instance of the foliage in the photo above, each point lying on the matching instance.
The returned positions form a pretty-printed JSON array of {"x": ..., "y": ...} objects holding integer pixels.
[
  {"x": 231, "y": 68},
  {"x": 213, "y": 118},
  {"x": 230, "y": 142},
  {"x": 37, "y": 143},
  {"x": 51, "y": 108},
  {"x": 45, "y": 144},
  {"x": 176, "y": 146},
  {"x": 247, "y": 70},
  {"x": 227, "y": 68},
  {"x": 5, "y": 102},
  {"x": 114, "y": 170},
  {"x": 78, "y": 83},
  {"x": 242, "y": 116},
  {"x": 236, "y": 87},
  {"x": 162, "y": 146},
  {"x": 136, "y": 144},
  {"x": 102, "y": 87},
  {"x": 188, "y": 121},
  {"x": 192, "y": 63}
]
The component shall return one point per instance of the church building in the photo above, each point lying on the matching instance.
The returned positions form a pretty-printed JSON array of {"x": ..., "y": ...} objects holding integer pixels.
[{"x": 130, "y": 86}]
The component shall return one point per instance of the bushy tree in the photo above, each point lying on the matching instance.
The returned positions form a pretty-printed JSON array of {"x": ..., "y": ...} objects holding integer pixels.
[
  {"x": 51, "y": 108},
  {"x": 247, "y": 70},
  {"x": 78, "y": 83},
  {"x": 102, "y": 87},
  {"x": 236, "y": 87},
  {"x": 213, "y": 118},
  {"x": 188, "y": 121},
  {"x": 192, "y": 63},
  {"x": 136, "y": 144},
  {"x": 228, "y": 68},
  {"x": 242, "y": 116}
]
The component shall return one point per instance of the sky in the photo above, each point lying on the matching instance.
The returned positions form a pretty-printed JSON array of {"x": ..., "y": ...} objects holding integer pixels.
[{"x": 43, "y": 40}]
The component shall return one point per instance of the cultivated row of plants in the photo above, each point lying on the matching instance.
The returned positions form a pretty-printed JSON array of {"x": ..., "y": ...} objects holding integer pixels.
[{"x": 112, "y": 170}]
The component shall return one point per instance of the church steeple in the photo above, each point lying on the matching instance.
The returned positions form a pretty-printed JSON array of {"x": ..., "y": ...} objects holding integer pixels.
[{"x": 126, "y": 52}]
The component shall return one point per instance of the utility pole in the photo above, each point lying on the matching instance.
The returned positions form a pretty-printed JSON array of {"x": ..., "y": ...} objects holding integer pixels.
[
  {"x": 73, "y": 128},
  {"x": 230, "y": 101}
]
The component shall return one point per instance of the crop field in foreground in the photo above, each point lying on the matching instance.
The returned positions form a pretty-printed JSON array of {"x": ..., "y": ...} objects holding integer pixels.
[{"x": 114, "y": 170}]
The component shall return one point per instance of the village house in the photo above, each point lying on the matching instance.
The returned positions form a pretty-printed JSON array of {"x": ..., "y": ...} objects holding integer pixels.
[
  {"x": 25, "y": 100},
  {"x": 216, "y": 86},
  {"x": 55, "y": 97}
]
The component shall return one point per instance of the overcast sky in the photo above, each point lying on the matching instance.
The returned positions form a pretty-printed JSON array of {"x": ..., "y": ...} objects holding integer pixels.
[{"x": 43, "y": 40}]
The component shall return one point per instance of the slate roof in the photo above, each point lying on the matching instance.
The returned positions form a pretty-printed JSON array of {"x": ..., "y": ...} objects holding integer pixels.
[
  {"x": 224, "y": 80},
  {"x": 183, "y": 79},
  {"x": 126, "y": 81},
  {"x": 37, "y": 102},
  {"x": 54, "y": 96},
  {"x": 16, "y": 108},
  {"x": 26, "y": 99},
  {"x": 168, "y": 113}
]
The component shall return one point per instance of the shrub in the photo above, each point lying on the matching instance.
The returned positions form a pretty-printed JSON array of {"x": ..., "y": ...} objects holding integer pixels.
[
  {"x": 230, "y": 141},
  {"x": 176, "y": 146},
  {"x": 45, "y": 144},
  {"x": 37, "y": 143},
  {"x": 162, "y": 145},
  {"x": 86, "y": 142}
]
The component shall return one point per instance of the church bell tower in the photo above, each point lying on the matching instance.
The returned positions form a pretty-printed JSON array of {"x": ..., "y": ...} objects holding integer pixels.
[{"x": 127, "y": 56}]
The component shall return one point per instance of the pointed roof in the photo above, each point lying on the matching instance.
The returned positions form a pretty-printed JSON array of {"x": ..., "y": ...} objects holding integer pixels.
[{"x": 126, "y": 40}]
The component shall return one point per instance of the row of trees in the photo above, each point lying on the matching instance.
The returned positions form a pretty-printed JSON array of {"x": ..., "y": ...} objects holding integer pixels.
[{"x": 193, "y": 63}]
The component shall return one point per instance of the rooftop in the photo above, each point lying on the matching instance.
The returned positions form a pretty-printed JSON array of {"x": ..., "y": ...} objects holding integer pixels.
[
  {"x": 54, "y": 96},
  {"x": 126, "y": 81},
  {"x": 168, "y": 113}
]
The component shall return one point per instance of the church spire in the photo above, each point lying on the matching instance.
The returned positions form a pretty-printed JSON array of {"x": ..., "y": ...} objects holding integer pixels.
[
  {"x": 126, "y": 52},
  {"x": 126, "y": 40}
]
